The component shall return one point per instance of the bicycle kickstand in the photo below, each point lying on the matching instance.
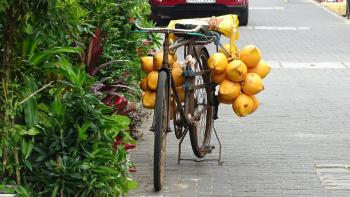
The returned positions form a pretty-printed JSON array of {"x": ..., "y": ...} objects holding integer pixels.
[
  {"x": 179, "y": 151},
  {"x": 196, "y": 160},
  {"x": 217, "y": 137}
]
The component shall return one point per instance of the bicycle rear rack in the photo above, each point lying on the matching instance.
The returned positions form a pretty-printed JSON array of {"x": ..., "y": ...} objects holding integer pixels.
[{"x": 210, "y": 148}]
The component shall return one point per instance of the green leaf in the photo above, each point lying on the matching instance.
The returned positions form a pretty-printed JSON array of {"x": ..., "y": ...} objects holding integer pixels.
[
  {"x": 39, "y": 58},
  {"x": 67, "y": 50},
  {"x": 30, "y": 106},
  {"x": 27, "y": 149},
  {"x": 29, "y": 29},
  {"x": 55, "y": 191},
  {"x": 118, "y": 121},
  {"x": 23, "y": 192},
  {"x": 82, "y": 136},
  {"x": 33, "y": 131},
  {"x": 84, "y": 166},
  {"x": 28, "y": 165},
  {"x": 132, "y": 184}
]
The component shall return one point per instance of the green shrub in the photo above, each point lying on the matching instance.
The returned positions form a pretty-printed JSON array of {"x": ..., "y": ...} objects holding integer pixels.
[{"x": 57, "y": 138}]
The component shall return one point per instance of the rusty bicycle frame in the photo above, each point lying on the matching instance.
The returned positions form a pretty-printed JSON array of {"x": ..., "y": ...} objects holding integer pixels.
[{"x": 189, "y": 74}]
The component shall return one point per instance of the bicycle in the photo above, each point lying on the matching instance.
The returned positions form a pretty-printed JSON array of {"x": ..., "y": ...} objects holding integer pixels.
[{"x": 196, "y": 115}]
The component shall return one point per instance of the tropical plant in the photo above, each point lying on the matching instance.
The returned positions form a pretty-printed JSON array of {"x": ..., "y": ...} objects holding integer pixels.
[{"x": 56, "y": 137}]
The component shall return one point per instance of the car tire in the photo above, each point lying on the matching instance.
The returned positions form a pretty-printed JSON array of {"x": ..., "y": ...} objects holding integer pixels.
[{"x": 243, "y": 17}]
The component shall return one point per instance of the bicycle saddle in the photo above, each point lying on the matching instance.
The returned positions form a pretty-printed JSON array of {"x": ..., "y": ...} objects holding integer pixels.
[
  {"x": 190, "y": 24},
  {"x": 202, "y": 30}
]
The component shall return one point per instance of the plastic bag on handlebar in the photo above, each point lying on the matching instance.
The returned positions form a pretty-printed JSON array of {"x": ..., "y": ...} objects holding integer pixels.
[
  {"x": 226, "y": 24},
  {"x": 188, "y": 24}
]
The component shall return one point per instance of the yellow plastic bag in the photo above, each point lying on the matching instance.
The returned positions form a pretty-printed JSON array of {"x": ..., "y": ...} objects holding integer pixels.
[
  {"x": 172, "y": 26},
  {"x": 226, "y": 24}
]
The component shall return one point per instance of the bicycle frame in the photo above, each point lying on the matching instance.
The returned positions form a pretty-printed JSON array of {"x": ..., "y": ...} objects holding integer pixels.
[
  {"x": 189, "y": 74},
  {"x": 193, "y": 42},
  {"x": 193, "y": 39}
]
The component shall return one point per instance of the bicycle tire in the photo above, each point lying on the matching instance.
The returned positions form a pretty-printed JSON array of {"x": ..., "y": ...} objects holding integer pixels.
[
  {"x": 160, "y": 132},
  {"x": 200, "y": 134}
]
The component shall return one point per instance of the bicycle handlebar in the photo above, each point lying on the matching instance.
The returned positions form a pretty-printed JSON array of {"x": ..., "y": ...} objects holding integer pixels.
[{"x": 166, "y": 30}]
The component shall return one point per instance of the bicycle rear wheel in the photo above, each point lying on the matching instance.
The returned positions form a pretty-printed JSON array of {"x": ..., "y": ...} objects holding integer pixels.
[
  {"x": 200, "y": 131},
  {"x": 160, "y": 133}
]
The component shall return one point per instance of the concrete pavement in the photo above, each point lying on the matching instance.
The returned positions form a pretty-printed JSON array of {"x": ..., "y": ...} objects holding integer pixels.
[{"x": 303, "y": 121}]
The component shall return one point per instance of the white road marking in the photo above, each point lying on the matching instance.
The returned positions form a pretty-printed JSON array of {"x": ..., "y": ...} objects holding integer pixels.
[
  {"x": 303, "y": 28},
  {"x": 346, "y": 64},
  {"x": 273, "y": 64},
  {"x": 246, "y": 27},
  {"x": 334, "y": 176},
  {"x": 313, "y": 65},
  {"x": 266, "y": 8},
  {"x": 277, "y": 28},
  {"x": 308, "y": 65},
  {"x": 274, "y": 28}
]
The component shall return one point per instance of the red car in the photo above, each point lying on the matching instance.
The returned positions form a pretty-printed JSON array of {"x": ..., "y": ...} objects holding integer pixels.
[{"x": 164, "y": 10}]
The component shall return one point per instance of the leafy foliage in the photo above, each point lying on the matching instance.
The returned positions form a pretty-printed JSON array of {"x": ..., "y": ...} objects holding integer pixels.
[{"x": 57, "y": 137}]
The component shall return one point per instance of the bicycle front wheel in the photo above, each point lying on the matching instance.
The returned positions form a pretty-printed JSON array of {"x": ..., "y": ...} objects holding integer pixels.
[
  {"x": 160, "y": 132},
  {"x": 200, "y": 132}
]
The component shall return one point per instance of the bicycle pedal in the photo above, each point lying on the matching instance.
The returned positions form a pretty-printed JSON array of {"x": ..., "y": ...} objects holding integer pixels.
[
  {"x": 152, "y": 129},
  {"x": 209, "y": 148}
]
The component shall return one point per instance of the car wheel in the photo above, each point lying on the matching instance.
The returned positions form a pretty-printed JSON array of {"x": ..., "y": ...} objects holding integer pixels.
[{"x": 243, "y": 17}]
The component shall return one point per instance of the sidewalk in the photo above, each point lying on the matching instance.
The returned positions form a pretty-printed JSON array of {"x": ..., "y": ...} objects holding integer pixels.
[{"x": 303, "y": 121}]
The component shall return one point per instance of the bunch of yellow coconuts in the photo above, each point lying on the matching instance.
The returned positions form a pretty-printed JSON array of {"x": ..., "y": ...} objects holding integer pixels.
[
  {"x": 240, "y": 77},
  {"x": 150, "y": 65}
]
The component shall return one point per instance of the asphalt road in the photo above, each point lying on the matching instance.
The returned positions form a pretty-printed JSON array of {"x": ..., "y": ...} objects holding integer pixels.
[{"x": 298, "y": 142}]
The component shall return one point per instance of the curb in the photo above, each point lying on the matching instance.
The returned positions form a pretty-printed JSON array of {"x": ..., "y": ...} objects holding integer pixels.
[{"x": 330, "y": 12}]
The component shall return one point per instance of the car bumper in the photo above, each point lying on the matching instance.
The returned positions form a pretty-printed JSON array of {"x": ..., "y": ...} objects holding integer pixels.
[{"x": 190, "y": 11}]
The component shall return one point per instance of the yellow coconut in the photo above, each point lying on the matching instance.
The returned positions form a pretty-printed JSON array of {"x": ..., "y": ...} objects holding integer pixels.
[
  {"x": 252, "y": 84},
  {"x": 158, "y": 60},
  {"x": 177, "y": 65},
  {"x": 179, "y": 79},
  {"x": 221, "y": 100},
  {"x": 236, "y": 71},
  {"x": 149, "y": 99},
  {"x": 217, "y": 62},
  {"x": 173, "y": 56},
  {"x": 147, "y": 64},
  {"x": 256, "y": 103},
  {"x": 181, "y": 93},
  {"x": 226, "y": 49},
  {"x": 218, "y": 78},
  {"x": 250, "y": 55},
  {"x": 144, "y": 84},
  {"x": 152, "y": 80},
  {"x": 243, "y": 105},
  {"x": 229, "y": 90},
  {"x": 262, "y": 69}
]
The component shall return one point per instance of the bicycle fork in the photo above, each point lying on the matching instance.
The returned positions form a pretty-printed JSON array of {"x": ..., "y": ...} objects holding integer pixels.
[{"x": 165, "y": 68}]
